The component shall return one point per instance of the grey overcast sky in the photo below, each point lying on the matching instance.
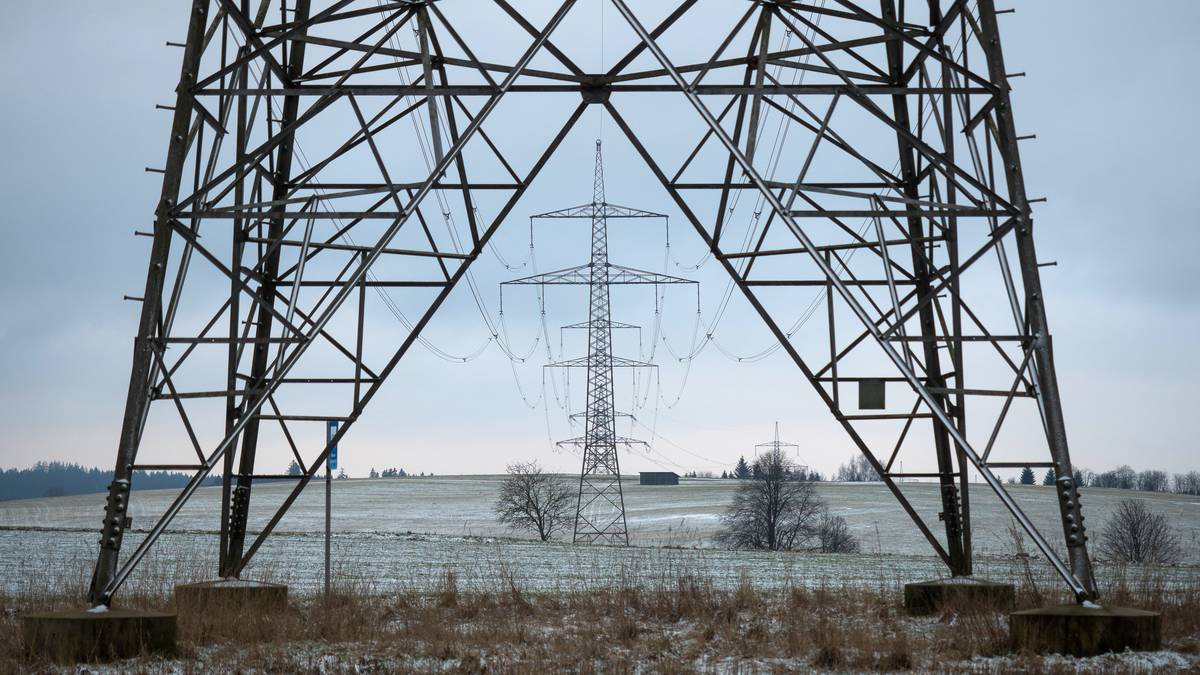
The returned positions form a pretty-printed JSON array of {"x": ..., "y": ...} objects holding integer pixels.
[{"x": 1108, "y": 94}]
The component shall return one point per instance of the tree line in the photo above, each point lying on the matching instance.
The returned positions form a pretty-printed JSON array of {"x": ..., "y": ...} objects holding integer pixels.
[
  {"x": 60, "y": 479},
  {"x": 394, "y": 473},
  {"x": 1122, "y": 478},
  {"x": 746, "y": 471},
  {"x": 294, "y": 469},
  {"x": 859, "y": 469}
]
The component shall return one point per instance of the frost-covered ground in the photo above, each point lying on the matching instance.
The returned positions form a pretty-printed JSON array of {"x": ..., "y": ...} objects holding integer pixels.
[
  {"x": 409, "y": 533},
  {"x": 400, "y": 543},
  {"x": 353, "y": 659}
]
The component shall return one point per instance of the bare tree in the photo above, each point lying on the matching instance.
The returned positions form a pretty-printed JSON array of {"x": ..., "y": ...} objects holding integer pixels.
[
  {"x": 1153, "y": 481},
  {"x": 531, "y": 499},
  {"x": 833, "y": 535},
  {"x": 1188, "y": 483},
  {"x": 1135, "y": 534},
  {"x": 1122, "y": 478},
  {"x": 857, "y": 470},
  {"x": 773, "y": 510}
]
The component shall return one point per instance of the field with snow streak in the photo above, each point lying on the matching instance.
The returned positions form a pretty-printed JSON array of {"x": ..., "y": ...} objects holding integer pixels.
[{"x": 407, "y": 534}]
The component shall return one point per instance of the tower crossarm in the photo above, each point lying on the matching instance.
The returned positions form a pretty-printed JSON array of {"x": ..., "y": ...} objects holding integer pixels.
[
  {"x": 771, "y": 445},
  {"x": 619, "y": 274},
  {"x": 581, "y": 275},
  {"x": 577, "y": 276},
  {"x": 617, "y": 362},
  {"x": 602, "y": 210},
  {"x": 618, "y": 440},
  {"x": 586, "y": 325},
  {"x": 616, "y": 414}
]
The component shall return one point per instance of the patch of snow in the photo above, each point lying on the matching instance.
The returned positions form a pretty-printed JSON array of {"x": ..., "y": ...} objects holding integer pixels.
[
  {"x": 1129, "y": 661},
  {"x": 682, "y": 516}
]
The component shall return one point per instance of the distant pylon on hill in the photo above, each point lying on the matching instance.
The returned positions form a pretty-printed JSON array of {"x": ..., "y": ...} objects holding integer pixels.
[
  {"x": 600, "y": 510},
  {"x": 776, "y": 444}
]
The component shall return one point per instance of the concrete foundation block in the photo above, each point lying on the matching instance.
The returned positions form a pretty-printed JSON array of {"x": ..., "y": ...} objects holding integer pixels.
[
  {"x": 1080, "y": 630},
  {"x": 80, "y": 635},
  {"x": 929, "y": 597},
  {"x": 229, "y": 595}
]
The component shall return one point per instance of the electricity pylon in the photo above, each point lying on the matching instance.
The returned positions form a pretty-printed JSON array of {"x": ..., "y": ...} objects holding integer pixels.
[
  {"x": 293, "y": 191},
  {"x": 776, "y": 445},
  {"x": 600, "y": 508}
]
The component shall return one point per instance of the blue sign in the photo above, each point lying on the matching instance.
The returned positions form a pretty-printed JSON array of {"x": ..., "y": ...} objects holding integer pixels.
[{"x": 331, "y": 431}]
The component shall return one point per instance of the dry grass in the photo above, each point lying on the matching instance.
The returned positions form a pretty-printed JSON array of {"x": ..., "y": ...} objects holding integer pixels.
[{"x": 675, "y": 626}]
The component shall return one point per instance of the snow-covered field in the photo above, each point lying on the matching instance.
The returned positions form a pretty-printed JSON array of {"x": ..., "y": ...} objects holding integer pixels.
[{"x": 408, "y": 533}]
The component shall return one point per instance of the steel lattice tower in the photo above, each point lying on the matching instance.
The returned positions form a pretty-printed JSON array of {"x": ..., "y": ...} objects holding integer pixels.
[
  {"x": 293, "y": 191},
  {"x": 600, "y": 509},
  {"x": 777, "y": 445}
]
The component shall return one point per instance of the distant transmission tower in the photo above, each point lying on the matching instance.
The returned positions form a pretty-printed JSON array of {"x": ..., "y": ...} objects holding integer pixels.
[
  {"x": 776, "y": 444},
  {"x": 780, "y": 446},
  {"x": 600, "y": 510}
]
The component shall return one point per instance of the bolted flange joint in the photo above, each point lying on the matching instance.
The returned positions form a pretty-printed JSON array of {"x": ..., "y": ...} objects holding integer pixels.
[{"x": 115, "y": 519}]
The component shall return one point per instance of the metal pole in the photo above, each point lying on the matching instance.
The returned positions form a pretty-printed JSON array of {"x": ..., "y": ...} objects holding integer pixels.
[
  {"x": 328, "y": 513},
  {"x": 331, "y": 432}
]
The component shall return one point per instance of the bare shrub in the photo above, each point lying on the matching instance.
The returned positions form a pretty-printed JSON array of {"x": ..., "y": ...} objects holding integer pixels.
[
  {"x": 1030, "y": 587},
  {"x": 773, "y": 510},
  {"x": 830, "y": 643},
  {"x": 447, "y": 591},
  {"x": 531, "y": 499},
  {"x": 1135, "y": 534},
  {"x": 833, "y": 535}
]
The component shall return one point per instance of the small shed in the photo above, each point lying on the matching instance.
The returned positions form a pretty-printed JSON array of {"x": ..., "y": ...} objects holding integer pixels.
[{"x": 658, "y": 478}]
